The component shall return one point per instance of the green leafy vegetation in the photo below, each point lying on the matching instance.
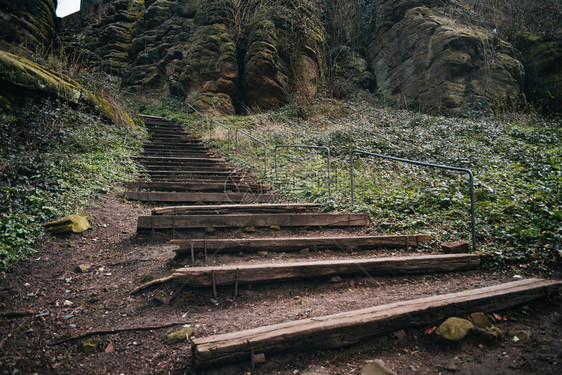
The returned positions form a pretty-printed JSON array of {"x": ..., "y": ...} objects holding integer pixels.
[
  {"x": 53, "y": 159},
  {"x": 516, "y": 161}
]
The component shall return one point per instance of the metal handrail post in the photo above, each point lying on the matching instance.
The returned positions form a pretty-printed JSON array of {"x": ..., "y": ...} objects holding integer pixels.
[
  {"x": 255, "y": 139},
  {"x": 468, "y": 171},
  {"x": 312, "y": 147}
]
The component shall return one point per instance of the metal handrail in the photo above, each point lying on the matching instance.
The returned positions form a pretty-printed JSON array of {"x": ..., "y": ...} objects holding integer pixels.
[
  {"x": 313, "y": 147},
  {"x": 219, "y": 124},
  {"x": 255, "y": 139},
  {"x": 468, "y": 171},
  {"x": 200, "y": 114}
]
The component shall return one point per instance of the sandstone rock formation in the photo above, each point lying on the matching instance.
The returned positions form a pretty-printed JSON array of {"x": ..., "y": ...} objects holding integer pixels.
[
  {"x": 543, "y": 66},
  {"x": 21, "y": 78},
  {"x": 426, "y": 61},
  {"x": 218, "y": 54},
  {"x": 230, "y": 55},
  {"x": 28, "y": 22}
]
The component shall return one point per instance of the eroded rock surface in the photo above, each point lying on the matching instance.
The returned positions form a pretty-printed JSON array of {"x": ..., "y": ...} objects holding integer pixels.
[
  {"x": 427, "y": 61},
  {"x": 28, "y": 22},
  {"x": 230, "y": 55}
]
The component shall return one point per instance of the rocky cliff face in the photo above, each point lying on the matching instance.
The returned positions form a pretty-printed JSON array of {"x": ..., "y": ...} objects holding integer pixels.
[
  {"x": 220, "y": 55},
  {"x": 431, "y": 62},
  {"x": 543, "y": 66},
  {"x": 229, "y": 55},
  {"x": 28, "y": 22}
]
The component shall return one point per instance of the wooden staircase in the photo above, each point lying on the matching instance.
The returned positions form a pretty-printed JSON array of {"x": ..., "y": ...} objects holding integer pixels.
[{"x": 204, "y": 192}]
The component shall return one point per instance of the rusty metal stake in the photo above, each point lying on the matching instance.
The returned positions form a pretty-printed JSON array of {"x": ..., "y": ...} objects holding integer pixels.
[
  {"x": 236, "y": 282},
  {"x": 214, "y": 281},
  {"x": 205, "y": 244}
]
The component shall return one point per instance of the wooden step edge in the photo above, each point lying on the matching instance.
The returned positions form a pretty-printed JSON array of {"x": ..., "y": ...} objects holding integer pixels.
[
  {"x": 276, "y": 244},
  {"x": 344, "y": 329},
  {"x": 164, "y": 222},
  {"x": 178, "y": 210},
  {"x": 179, "y": 158},
  {"x": 196, "y": 185},
  {"x": 203, "y": 197},
  {"x": 275, "y": 272}
]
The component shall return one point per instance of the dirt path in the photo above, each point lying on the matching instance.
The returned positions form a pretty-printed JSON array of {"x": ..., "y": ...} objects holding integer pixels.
[{"x": 66, "y": 304}]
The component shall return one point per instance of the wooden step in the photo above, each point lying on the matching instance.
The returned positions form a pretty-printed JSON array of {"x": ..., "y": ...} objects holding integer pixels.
[
  {"x": 263, "y": 273},
  {"x": 183, "y": 154},
  {"x": 168, "y": 180},
  {"x": 173, "y": 146},
  {"x": 251, "y": 220},
  {"x": 176, "y": 138},
  {"x": 236, "y": 208},
  {"x": 180, "y": 147},
  {"x": 201, "y": 173},
  {"x": 194, "y": 160},
  {"x": 347, "y": 328},
  {"x": 191, "y": 142},
  {"x": 169, "y": 131},
  {"x": 198, "y": 197},
  {"x": 178, "y": 177},
  {"x": 196, "y": 186},
  {"x": 222, "y": 170},
  {"x": 235, "y": 245}
]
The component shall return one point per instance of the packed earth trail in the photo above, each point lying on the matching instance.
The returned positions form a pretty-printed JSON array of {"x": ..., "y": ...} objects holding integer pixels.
[{"x": 255, "y": 284}]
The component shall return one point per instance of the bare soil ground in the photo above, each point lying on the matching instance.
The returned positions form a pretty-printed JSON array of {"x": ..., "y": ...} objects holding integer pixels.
[{"x": 45, "y": 304}]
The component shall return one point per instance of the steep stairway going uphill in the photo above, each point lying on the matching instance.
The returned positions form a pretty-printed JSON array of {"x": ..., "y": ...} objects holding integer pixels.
[
  {"x": 215, "y": 211},
  {"x": 181, "y": 169}
]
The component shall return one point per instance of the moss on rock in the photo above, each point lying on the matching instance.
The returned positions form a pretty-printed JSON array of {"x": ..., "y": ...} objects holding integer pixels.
[
  {"x": 20, "y": 77},
  {"x": 30, "y": 23},
  {"x": 542, "y": 59},
  {"x": 435, "y": 64}
]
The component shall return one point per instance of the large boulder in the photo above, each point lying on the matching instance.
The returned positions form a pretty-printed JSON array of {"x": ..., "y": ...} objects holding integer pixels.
[
  {"x": 284, "y": 54},
  {"x": 21, "y": 78},
  {"x": 220, "y": 55},
  {"x": 28, "y": 22},
  {"x": 433, "y": 63},
  {"x": 543, "y": 67}
]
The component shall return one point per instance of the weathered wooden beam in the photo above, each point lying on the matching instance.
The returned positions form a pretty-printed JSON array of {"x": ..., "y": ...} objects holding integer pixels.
[
  {"x": 262, "y": 273},
  {"x": 196, "y": 186},
  {"x": 334, "y": 331},
  {"x": 229, "y": 208},
  {"x": 179, "y": 158},
  {"x": 296, "y": 244},
  {"x": 202, "y": 174},
  {"x": 180, "y": 167},
  {"x": 208, "y": 197},
  {"x": 251, "y": 220}
]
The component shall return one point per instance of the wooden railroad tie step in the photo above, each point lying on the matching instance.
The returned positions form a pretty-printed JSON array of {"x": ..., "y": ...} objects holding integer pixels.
[
  {"x": 305, "y": 219},
  {"x": 236, "y": 208},
  {"x": 334, "y": 331},
  {"x": 180, "y": 167},
  {"x": 202, "y": 173},
  {"x": 201, "y": 197},
  {"x": 194, "y": 160},
  {"x": 236, "y": 245},
  {"x": 272, "y": 272},
  {"x": 234, "y": 182},
  {"x": 227, "y": 185}
]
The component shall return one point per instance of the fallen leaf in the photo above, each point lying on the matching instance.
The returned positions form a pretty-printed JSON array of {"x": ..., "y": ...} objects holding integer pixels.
[
  {"x": 429, "y": 331},
  {"x": 110, "y": 348}
]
